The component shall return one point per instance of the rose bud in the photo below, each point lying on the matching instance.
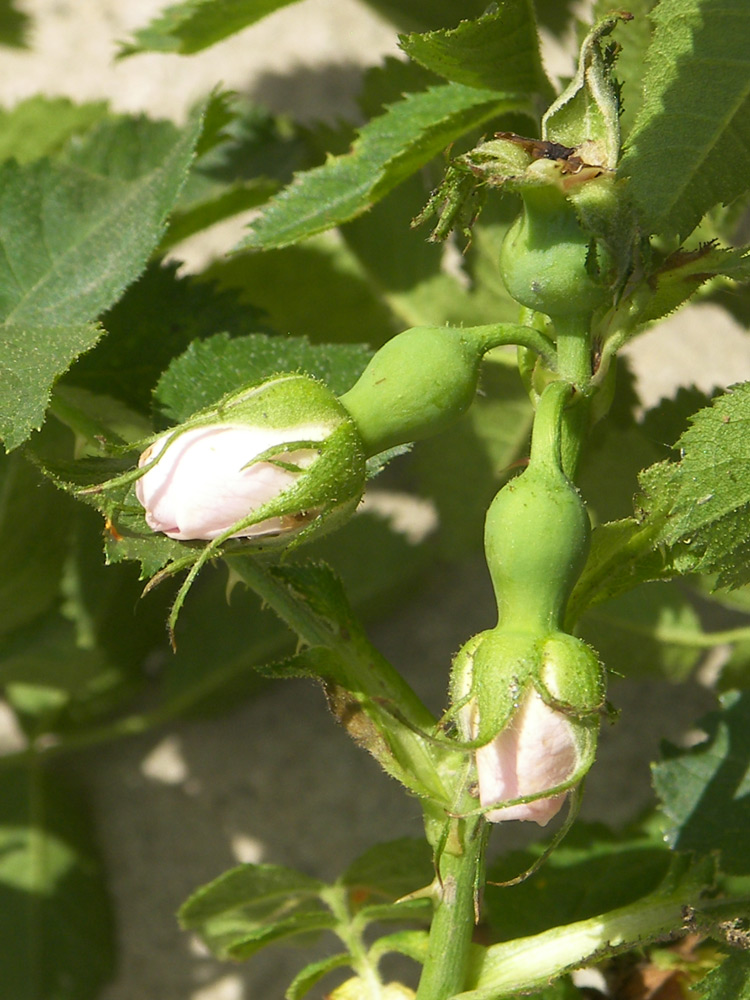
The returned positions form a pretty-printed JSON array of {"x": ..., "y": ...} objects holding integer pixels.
[
  {"x": 266, "y": 463},
  {"x": 530, "y": 706}
]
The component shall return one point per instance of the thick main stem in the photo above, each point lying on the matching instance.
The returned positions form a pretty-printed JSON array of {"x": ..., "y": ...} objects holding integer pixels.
[
  {"x": 460, "y": 874},
  {"x": 574, "y": 365}
]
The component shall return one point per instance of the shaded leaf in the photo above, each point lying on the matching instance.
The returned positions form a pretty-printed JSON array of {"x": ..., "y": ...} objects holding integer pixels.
[
  {"x": 498, "y": 51},
  {"x": 419, "y": 15},
  {"x": 592, "y": 871},
  {"x": 705, "y": 790},
  {"x": 391, "y": 870},
  {"x": 40, "y": 125},
  {"x": 689, "y": 148},
  {"x": 652, "y": 630},
  {"x": 388, "y": 149},
  {"x": 33, "y": 538},
  {"x": 155, "y": 320},
  {"x": 196, "y": 24},
  {"x": 14, "y": 24},
  {"x": 55, "y": 919},
  {"x": 210, "y": 368}
]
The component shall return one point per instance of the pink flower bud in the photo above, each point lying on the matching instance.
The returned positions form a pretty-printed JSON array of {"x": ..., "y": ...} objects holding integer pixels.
[
  {"x": 206, "y": 480},
  {"x": 537, "y": 750}
]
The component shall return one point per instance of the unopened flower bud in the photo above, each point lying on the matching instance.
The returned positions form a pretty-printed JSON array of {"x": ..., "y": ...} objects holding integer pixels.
[
  {"x": 532, "y": 707},
  {"x": 263, "y": 464}
]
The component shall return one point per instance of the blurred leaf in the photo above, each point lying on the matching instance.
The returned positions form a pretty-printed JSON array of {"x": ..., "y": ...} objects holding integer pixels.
[
  {"x": 498, "y": 51},
  {"x": 73, "y": 236},
  {"x": 14, "y": 24},
  {"x": 610, "y": 467},
  {"x": 318, "y": 290},
  {"x": 196, "y": 24},
  {"x": 304, "y": 981},
  {"x": 592, "y": 871},
  {"x": 730, "y": 979},
  {"x": 390, "y": 871},
  {"x": 705, "y": 790},
  {"x": 689, "y": 148},
  {"x": 652, "y": 630},
  {"x": 52, "y": 681},
  {"x": 387, "y": 150},
  {"x": 214, "y": 202},
  {"x": 253, "y": 905},
  {"x": 210, "y": 368},
  {"x": 34, "y": 523},
  {"x": 156, "y": 319},
  {"x": 421, "y": 283},
  {"x": 55, "y": 921},
  {"x": 40, "y": 126},
  {"x": 420, "y": 15},
  {"x": 463, "y": 468}
]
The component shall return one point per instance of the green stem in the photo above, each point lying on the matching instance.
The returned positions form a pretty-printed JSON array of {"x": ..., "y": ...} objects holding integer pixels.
[
  {"x": 349, "y": 932},
  {"x": 546, "y": 438},
  {"x": 574, "y": 349},
  {"x": 460, "y": 873},
  {"x": 507, "y": 334}
]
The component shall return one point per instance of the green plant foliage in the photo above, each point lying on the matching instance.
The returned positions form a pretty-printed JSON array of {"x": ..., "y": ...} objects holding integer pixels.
[
  {"x": 387, "y": 150},
  {"x": 653, "y": 629},
  {"x": 196, "y": 24},
  {"x": 730, "y": 979},
  {"x": 211, "y": 368},
  {"x": 688, "y": 149},
  {"x": 498, "y": 51},
  {"x": 32, "y": 542},
  {"x": 40, "y": 126},
  {"x": 61, "y": 264},
  {"x": 390, "y": 871},
  {"x": 14, "y": 24},
  {"x": 704, "y": 789},
  {"x": 704, "y": 497},
  {"x": 593, "y": 870},
  {"x": 55, "y": 920},
  {"x": 420, "y": 15},
  {"x": 304, "y": 981},
  {"x": 255, "y": 905},
  {"x": 333, "y": 299},
  {"x": 155, "y": 320}
]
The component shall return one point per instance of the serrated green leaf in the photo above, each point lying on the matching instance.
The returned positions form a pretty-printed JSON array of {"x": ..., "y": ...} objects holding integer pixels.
[
  {"x": 730, "y": 979},
  {"x": 39, "y": 126},
  {"x": 498, "y": 51},
  {"x": 388, "y": 150},
  {"x": 705, "y": 790},
  {"x": 690, "y": 145},
  {"x": 196, "y": 24},
  {"x": 705, "y": 497},
  {"x": 213, "y": 203},
  {"x": 210, "y": 368},
  {"x": 304, "y": 981},
  {"x": 55, "y": 920},
  {"x": 32, "y": 358},
  {"x": 653, "y": 629},
  {"x": 72, "y": 239}
]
